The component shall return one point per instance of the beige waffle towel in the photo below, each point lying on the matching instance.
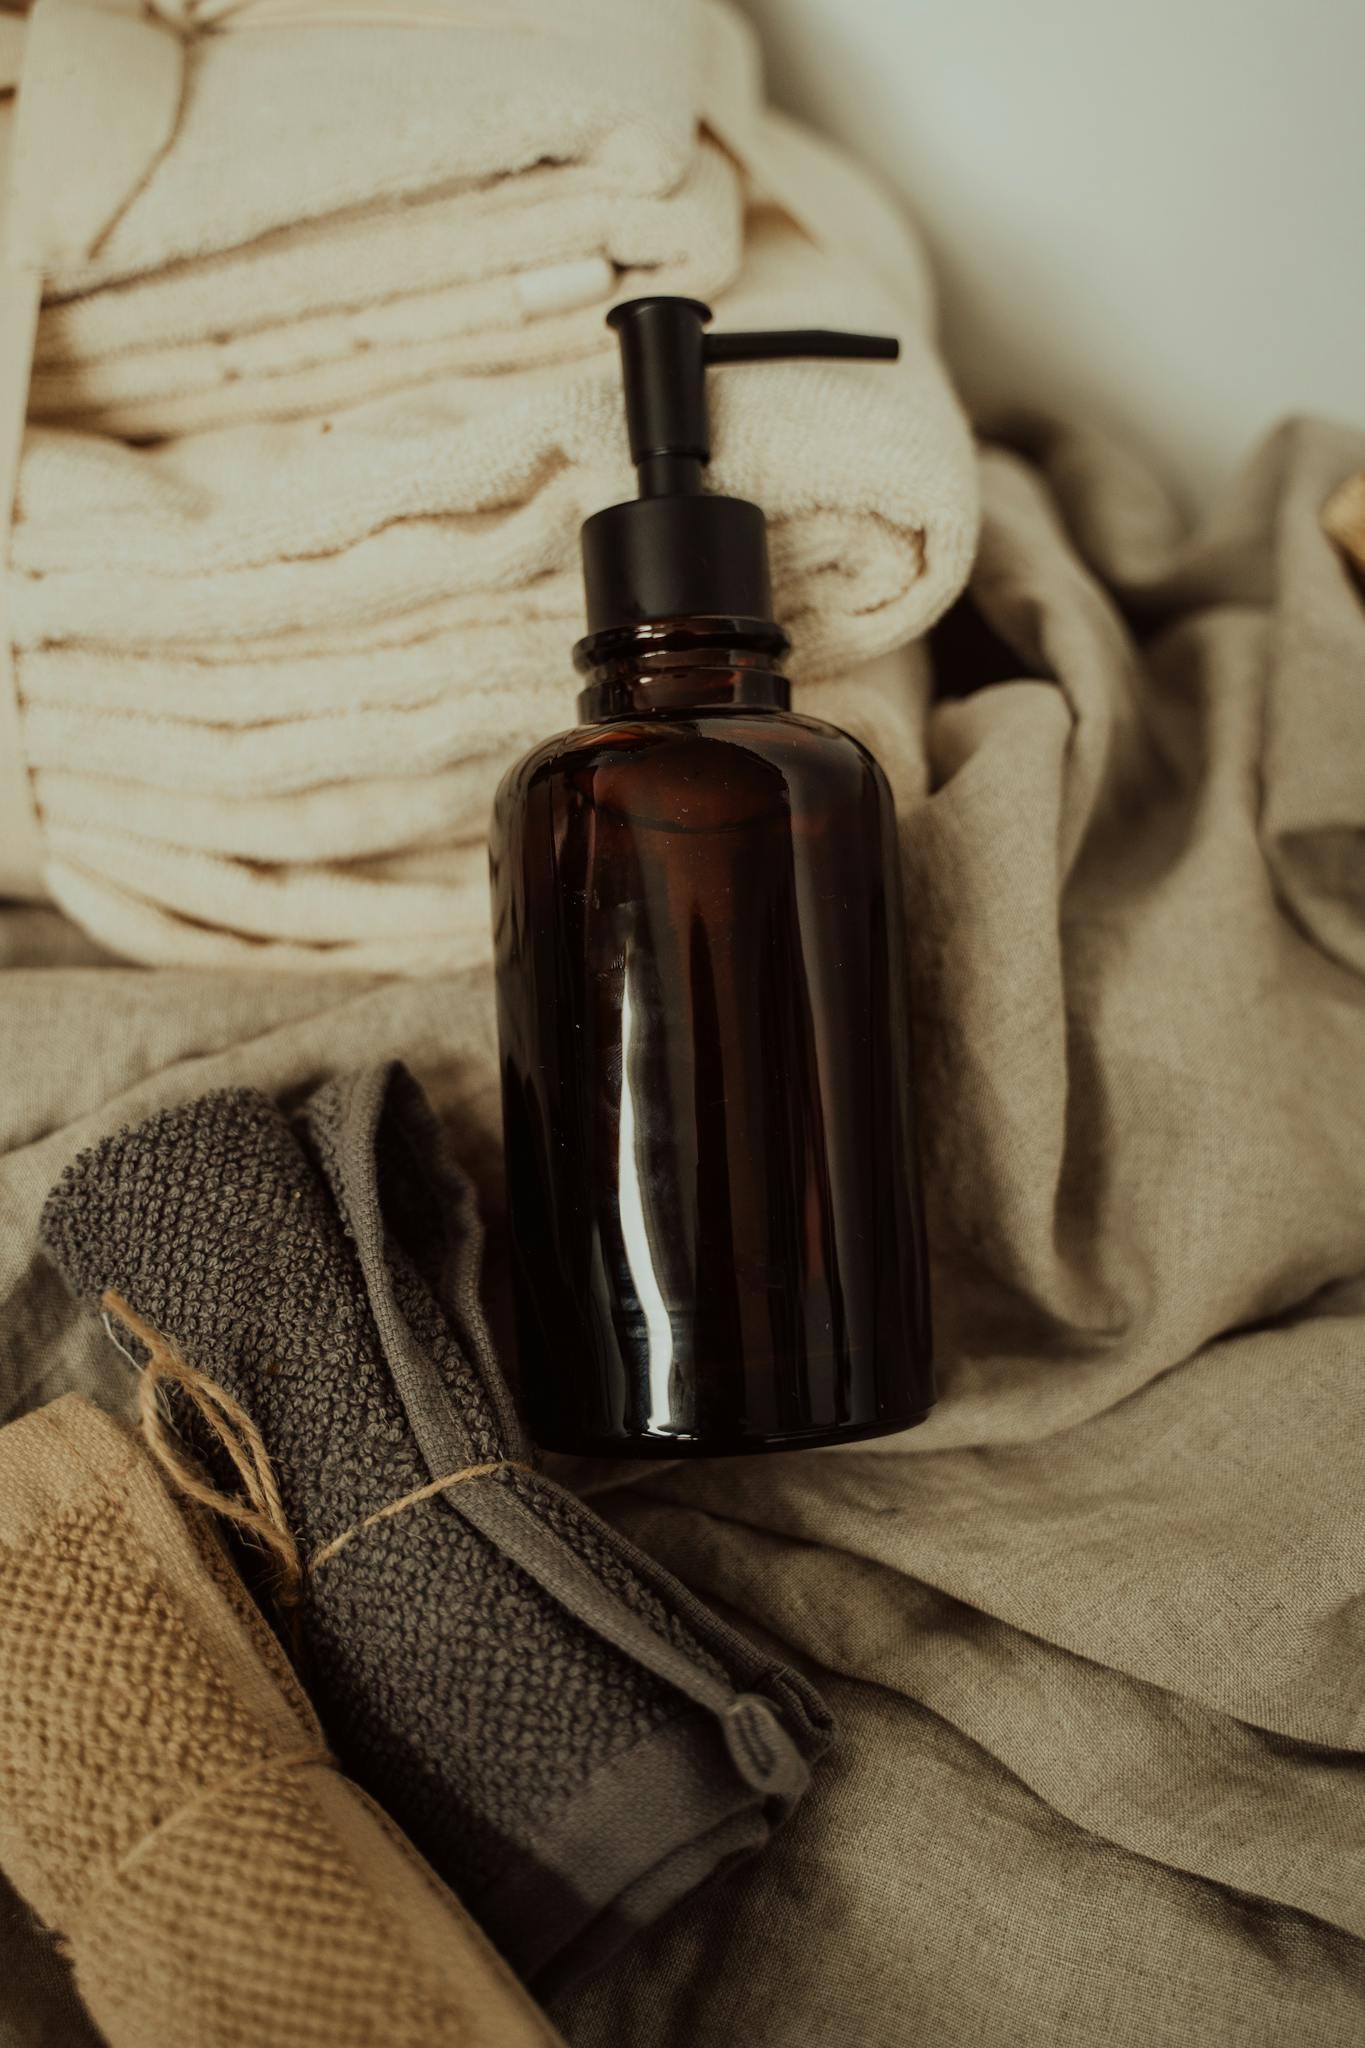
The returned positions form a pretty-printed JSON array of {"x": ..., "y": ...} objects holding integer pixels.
[{"x": 166, "y": 1799}]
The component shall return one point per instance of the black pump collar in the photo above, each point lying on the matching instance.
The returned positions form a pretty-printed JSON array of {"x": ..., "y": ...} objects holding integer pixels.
[{"x": 677, "y": 549}]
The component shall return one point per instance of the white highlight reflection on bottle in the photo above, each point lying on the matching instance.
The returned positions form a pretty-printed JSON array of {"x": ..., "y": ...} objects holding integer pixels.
[{"x": 634, "y": 1230}]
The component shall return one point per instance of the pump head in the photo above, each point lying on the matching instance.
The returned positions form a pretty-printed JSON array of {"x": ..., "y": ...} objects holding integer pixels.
[{"x": 678, "y": 550}]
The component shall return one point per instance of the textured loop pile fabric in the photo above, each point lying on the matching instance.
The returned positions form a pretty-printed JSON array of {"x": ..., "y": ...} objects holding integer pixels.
[
  {"x": 167, "y": 1799},
  {"x": 572, "y": 1742},
  {"x": 321, "y": 393}
]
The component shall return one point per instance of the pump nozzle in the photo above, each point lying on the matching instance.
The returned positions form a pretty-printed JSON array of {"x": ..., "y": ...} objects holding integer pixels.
[
  {"x": 678, "y": 551},
  {"x": 664, "y": 356}
]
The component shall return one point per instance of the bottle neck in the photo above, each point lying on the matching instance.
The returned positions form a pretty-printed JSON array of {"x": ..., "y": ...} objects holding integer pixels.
[{"x": 688, "y": 664}]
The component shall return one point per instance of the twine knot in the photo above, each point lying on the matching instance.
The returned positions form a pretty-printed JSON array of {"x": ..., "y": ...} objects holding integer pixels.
[{"x": 258, "y": 1511}]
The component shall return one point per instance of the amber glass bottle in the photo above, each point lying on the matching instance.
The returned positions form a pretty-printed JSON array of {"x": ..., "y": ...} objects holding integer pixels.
[{"x": 704, "y": 1035}]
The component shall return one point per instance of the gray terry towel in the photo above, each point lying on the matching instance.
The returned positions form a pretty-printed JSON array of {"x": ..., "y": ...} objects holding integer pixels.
[{"x": 569, "y": 1737}]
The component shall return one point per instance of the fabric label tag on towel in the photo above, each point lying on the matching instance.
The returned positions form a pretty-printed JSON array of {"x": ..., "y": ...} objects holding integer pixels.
[{"x": 762, "y": 1751}]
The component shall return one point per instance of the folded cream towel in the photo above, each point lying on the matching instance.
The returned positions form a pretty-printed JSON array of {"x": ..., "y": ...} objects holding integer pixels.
[
  {"x": 290, "y": 253},
  {"x": 287, "y": 122},
  {"x": 271, "y": 672},
  {"x": 342, "y": 310}
]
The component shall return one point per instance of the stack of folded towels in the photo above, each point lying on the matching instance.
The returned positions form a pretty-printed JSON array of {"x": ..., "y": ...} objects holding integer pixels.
[{"x": 322, "y": 393}]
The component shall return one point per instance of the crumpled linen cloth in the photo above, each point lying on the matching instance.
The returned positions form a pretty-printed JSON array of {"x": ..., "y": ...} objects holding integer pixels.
[
  {"x": 166, "y": 1802},
  {"x": 1091, "y": 1632},
  {"x": 271, "y": 670},
  {"x": 572, "y": 1741}
]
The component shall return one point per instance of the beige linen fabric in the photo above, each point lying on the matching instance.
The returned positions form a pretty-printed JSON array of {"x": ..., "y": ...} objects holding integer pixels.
[
  {"x": 927, "y": 1895},
  {"x": 21, "y": 846},
  {"x": 1101, "y": 1614},
  {"x": 165, "y": 1797},
  {"x": 271, "y": 668},
  {"x": 1343, "y": 517},
  {"x": 1092, "y": 1633}
]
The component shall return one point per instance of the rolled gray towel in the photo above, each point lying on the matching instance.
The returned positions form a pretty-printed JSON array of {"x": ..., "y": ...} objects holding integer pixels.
[{"x": 569, "y": 1737}]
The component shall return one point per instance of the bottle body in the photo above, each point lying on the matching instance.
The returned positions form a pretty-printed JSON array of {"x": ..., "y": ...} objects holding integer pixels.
[{"x": 704, "y": 1031}]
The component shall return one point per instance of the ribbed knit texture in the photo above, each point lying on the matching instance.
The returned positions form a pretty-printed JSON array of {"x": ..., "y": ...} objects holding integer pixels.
[{"x": 454, "y": 1686}]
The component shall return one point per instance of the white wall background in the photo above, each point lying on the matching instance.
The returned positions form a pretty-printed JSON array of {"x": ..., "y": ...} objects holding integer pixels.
[{"x": 1150, "y": 213}]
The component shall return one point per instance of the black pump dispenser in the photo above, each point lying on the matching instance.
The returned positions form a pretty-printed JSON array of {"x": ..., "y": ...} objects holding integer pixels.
[
  {"x": 678, "y": 550},
  {"x": 702, "y": 986}
]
